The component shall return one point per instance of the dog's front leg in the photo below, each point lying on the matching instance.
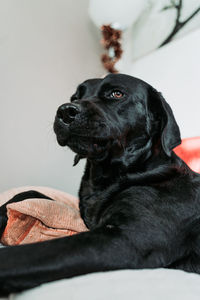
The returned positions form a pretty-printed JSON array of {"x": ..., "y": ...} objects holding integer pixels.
[
  {"x": 26, "y": 266},
  {"x": 107, "y": 248}
]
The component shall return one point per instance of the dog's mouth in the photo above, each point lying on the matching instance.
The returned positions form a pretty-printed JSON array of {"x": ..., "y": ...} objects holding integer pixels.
[
  {"x": 88, "y": 146},
  {"x": 85, "y": 145}
]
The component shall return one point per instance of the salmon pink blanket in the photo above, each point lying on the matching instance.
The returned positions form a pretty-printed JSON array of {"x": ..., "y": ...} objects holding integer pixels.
[{"x": 37, "y": 220}]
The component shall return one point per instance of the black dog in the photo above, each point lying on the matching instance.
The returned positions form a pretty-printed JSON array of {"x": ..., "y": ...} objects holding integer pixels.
[{"x": 140, "y": 201}]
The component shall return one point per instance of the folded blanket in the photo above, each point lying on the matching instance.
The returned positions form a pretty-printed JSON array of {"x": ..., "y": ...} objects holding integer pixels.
[{"x": 36, "y": 220}]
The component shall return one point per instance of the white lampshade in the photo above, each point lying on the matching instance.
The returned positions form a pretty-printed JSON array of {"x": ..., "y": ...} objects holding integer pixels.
[{"x": 121, "y": 12}]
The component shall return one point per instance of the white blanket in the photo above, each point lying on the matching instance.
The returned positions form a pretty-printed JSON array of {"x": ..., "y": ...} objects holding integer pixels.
[{"x": 156, "y": 284}]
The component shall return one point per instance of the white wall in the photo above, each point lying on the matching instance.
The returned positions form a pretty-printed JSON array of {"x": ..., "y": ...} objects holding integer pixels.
[{"x": 47, "y": 47}]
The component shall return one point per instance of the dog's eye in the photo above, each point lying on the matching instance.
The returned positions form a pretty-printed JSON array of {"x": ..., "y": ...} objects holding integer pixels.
[{"x": 116, "y": 94}]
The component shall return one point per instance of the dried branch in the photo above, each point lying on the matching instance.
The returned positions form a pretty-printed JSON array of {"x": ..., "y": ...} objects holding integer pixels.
[
  {"x": 178, "y": 24},
  {"x": 173, "y": 5}
]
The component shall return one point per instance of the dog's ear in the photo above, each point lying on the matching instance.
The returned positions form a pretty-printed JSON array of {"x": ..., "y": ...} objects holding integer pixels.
[{"x": 160, "y": 109}]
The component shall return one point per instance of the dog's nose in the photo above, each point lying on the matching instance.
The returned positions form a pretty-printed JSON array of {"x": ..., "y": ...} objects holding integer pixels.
[{"x": 67, "y": 112}]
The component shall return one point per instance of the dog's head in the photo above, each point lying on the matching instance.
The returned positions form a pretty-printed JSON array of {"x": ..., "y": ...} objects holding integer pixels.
[{"x": 120, "y": 117}]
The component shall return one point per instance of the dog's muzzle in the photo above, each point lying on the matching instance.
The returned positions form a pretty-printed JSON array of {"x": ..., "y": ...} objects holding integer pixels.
[{"x": 86, "y": 141}]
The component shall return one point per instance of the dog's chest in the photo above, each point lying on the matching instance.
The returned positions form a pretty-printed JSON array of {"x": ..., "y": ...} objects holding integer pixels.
[{"x": 92, "y": 203}]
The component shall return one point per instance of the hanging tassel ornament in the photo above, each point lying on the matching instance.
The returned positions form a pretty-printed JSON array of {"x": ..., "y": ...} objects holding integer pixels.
[{"x": 111, "y": 41}]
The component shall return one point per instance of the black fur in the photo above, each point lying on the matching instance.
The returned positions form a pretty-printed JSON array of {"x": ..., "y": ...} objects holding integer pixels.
[{"x": 140, "y": 201}]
